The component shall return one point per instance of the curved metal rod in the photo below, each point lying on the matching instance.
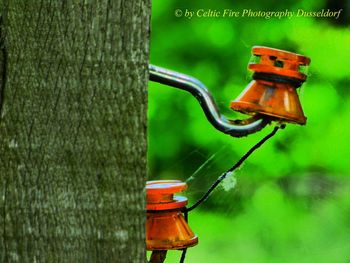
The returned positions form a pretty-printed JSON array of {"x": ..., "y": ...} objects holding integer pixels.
[{"x": 196, "y": 88}]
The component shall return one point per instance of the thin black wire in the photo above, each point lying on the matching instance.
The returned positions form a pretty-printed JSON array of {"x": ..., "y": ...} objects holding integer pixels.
[
  {"x": 223, "y": 176},
  {"x": 183, "y": 254},
  {"x": 234, "y": 167}
]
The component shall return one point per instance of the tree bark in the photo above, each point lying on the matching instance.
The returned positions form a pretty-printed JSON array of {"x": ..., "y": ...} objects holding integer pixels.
[{"x": 73, "y": 78}]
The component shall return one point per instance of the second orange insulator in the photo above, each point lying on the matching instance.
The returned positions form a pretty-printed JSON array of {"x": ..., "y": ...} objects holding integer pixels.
[{"x": 166, "y": 227}]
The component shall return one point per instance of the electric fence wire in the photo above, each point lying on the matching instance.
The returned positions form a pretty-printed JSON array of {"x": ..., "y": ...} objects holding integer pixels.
[
  {"x": 223, "y": 176},
  {"x": 234, "y": 167}
]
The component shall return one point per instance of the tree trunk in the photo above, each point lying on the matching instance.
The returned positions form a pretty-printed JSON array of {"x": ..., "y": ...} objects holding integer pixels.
[{"x": 73, "y": 130}]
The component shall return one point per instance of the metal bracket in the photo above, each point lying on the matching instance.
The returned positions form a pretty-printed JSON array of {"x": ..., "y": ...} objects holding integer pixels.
[{"x": 235, "y": 128}]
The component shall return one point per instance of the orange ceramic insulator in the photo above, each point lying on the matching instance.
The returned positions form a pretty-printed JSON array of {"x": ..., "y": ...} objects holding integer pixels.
[
  {"x": 166, "y": 227},
  {"x": 272, "y": 92}
]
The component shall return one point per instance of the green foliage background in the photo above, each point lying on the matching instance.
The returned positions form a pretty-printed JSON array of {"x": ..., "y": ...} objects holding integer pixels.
[{"x": 291, "y": 201}]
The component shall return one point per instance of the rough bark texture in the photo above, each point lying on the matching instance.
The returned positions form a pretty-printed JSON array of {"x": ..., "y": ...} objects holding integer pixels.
[{"x": 73, "y": 130}]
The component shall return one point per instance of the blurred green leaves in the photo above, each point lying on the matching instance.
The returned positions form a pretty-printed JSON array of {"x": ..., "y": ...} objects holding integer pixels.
[
  {"x": 291, "y": 199},
  {"x": 216, "y": 51}
]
